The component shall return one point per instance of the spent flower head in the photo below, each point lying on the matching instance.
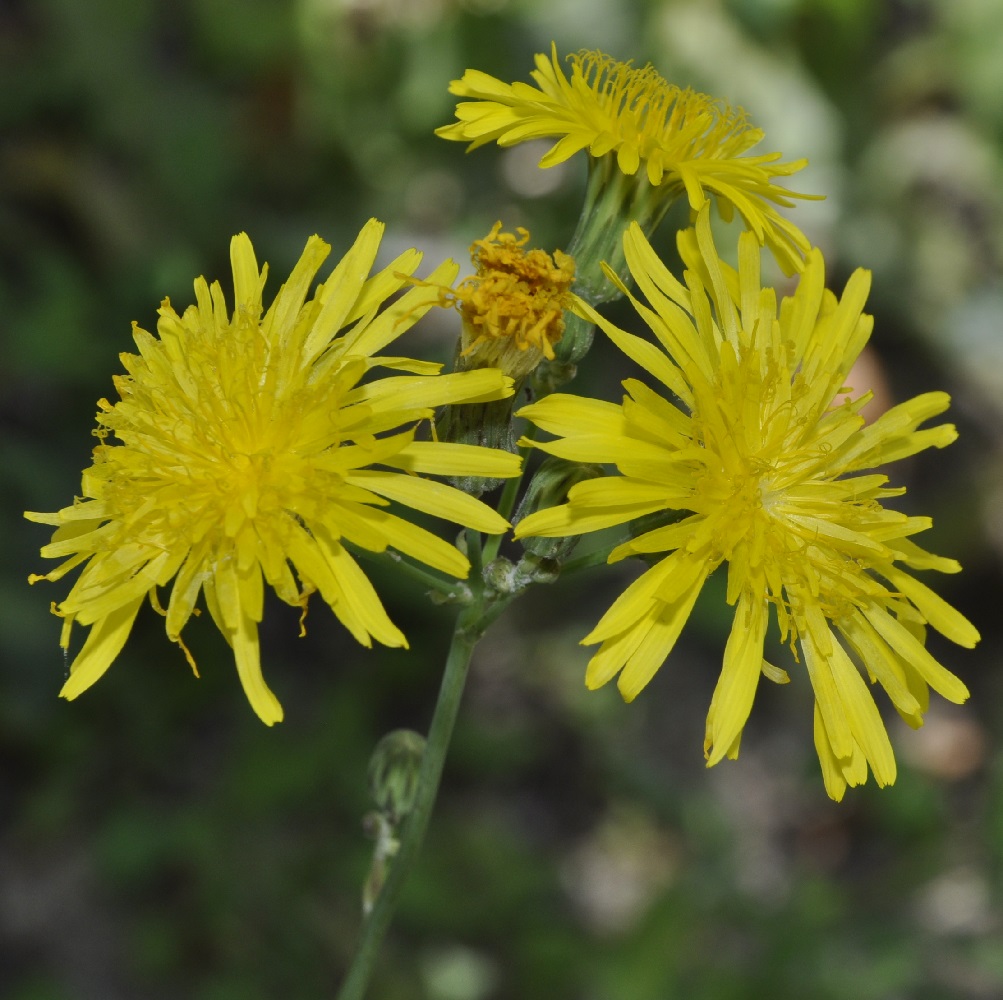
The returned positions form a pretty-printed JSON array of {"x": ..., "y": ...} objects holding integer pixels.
[
  {"x": 249, "y": 445},
  {"x": 755, "y": 447},
  {"x": 513, "y": 315},
  {"x": 665, "y": 139},
  {"x": 513, "y": 306}
]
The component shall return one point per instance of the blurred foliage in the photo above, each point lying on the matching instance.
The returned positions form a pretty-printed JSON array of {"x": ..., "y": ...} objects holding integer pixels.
[{"x": 158, "y": 842}]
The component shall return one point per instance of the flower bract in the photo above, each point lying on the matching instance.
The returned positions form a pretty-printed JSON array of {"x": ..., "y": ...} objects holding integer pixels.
[
  {"x": 753, "y": 450},
  {"x": 251, "y": 447},
  {"x": 674, "y": 140}
]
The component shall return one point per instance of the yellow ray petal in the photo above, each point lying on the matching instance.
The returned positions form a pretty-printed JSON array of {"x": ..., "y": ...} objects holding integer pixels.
[
  {"x": 832, "y": 772},
  {"x": 248, "y": 656},
  {"x": 339, "y": 293},
  {"x": 446, "y": 459},
  {"x": 560, "y": 413},
  {"x": 657, "y": 643},
  {"x": 687, "y": 575},
  {"x": 837, "y": 728},
  {"x": 570, "y": 519},
  {"x": 358, "y": 600},
  {"x": 432, "y": 498},
  {"x": 104, "y": 642},
  {"x": 865, "y": 723},
  {"x": 913, "y": 651},
  {"x": 948, "y": 621},
  {"x": 735, "y": 691},
  {"x": 614, "y": 653}
]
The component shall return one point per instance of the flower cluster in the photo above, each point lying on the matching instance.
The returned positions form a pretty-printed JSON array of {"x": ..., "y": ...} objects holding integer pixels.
[{"x": 253, "y": 446}]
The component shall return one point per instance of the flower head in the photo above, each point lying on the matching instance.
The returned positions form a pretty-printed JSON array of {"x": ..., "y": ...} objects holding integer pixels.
[
  {"x": 684, "y": 140},
  {"x": 249, "y": 446},
  {"x": 513, "y": 314},
  {"x": 764, "y": 461},
  {"x": 513, "y": 307}
]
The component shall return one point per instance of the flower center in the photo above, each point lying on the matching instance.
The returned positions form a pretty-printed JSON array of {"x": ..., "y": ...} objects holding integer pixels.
[{"x": 645, "y": 109}]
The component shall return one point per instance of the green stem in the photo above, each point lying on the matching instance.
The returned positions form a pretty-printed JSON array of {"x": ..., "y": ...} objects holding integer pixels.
[
  {"x": 589, "y": 559},
  {"x": 451, "y": 588},
  {"x": 470, "y": 625},
  {"x": 508, "y": 498},
  {"x": 475, "y": 554}
]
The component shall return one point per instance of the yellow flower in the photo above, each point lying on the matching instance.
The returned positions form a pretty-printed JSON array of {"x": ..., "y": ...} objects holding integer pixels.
[
  {"x": 251, "y": 446},
  {"x": 513, "y": 307},
  {"x": 766, "y": 462},
  {"x": 684, "y": 140}
]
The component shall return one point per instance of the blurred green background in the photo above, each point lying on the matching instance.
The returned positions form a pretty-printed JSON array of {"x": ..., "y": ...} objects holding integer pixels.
[{"x": 158, "y": 842}]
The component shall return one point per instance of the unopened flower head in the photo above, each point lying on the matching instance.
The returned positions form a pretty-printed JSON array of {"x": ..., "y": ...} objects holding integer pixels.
[
  {"x": 513, "y": 307},
  {"x": 250, "y": 445},
  {"x": 671, "y": 140},
  {"x": 765, "y": 464}
]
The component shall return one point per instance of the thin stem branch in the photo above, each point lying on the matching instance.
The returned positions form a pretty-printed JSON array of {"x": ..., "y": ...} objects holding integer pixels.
[
  {"x": 469, "y": 627},
  {"x": 594, "y": 558},
  {"x": 475, "y": 555},
  {"x": 429, "y": 580}
]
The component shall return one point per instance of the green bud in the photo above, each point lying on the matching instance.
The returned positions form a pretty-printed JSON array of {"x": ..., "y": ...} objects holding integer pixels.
[
  {"x": 393, "y": 772},
  {"x": 500, "y": 576},
  {"x": 539, "y": 569},
  {"x": 506, "y": 577},
  {"x": 549, "y": 488},
  {"x": 551, "y": 375},
  {"x": 571, "y": 348}
]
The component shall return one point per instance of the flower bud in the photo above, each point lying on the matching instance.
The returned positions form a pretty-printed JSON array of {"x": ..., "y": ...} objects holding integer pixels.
[
  {"x": 393, "y": 772},
  {"x": 549, "y": 488}
]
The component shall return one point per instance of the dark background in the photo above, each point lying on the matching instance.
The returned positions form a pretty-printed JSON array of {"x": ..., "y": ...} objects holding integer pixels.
[{"x": 158, "y": 842}]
